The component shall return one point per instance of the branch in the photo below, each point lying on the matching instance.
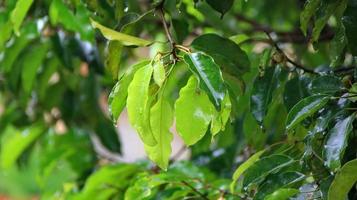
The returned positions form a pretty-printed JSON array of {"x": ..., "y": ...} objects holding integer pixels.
[{"x": 195, "y": 190}]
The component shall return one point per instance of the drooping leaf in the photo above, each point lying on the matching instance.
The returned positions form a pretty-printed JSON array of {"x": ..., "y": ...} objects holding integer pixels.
[
  {"x": 309, "y": 10},
  {"x": 350, "y": 23},
  {"x": 119, "y": 93},
  {"x": 262, "y": 93},
  {"x": 209, "y": 76},
  {"x": 304, "y": 109},
  {"x": 125, "y": 39},
  {"x": 19, "y": 13},
  {"x": 161, "y": 118},
  {"x": 221, "y": 6},
  {"x": 107, "y": 135},
  {"x": 227, "y": 54},
  {"x": 295, "y": 90},
  {"x": 326, "y": 85},
  {"x": 14, "y": 142},
  {"x": 112, "y": 58},
  {"x": 338, "y": 45},
  {"x": 264, "y": 167},
  {"x": 276, "y": 181},
  {"x": 243, "y": 167},
  {"x": 336, "y": 142},
  {"x": 282, "y": 194},
  {"x": 138, "y": 104},
  {"x": 193, "y": 111},
  {"x": 344, "y": 181}
]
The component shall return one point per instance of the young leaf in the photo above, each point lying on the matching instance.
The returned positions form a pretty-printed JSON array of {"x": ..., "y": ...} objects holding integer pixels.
[
  {"x": 125, "y": 39},
  {"x": 304, "y": 109},
  {"x": 209, "y": 76},
  {"x": 119, "y": 93},
  {"x": 159, "y": 73},
  {"x": 344, "y": 181},
  {"x": 19, "y": 14},
  {"x": 326, "y": 85},
  {"x": 225, "y": 53},
  {"x": 194, "y": 112},
  {"x": 262, "y": 93},
  {"x": 138, "y": 104},
  {"x": 243, "y": 167},
  {"x": 264, "y": 167},
  {"x": 336, "y": 142},
  {"x": 161, "y": 118}
]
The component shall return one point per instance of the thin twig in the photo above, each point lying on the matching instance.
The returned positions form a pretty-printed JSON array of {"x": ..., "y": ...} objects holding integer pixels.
[{"x": 195, "y": 190}]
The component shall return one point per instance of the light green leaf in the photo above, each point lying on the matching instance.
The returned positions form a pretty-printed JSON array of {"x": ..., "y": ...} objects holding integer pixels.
[
  {"x": 125, "y": 39},
  {"x": 138, "y": 104},
  {"x": 194, "y": 112},
  {"x": 243, "y": 167},
  {"x": 282, "y": 194},
  {"x": 19, "y": 13},
  {"x": 112, "y": 58},
  {"x": 336, "y": 142},
  {"x": 344, "y": 181},
  {"x": 161, "y": 118},
  {"x": 159, "y": 73},
  {"x": 14, "y": 142},
  {"x": 31, "y": 63},
  {"x": 220, "y": 118},
  {"x": 209, "y": 76},
  {"x": 304, "y": 109},
  {"x": 119, "y": 93}
]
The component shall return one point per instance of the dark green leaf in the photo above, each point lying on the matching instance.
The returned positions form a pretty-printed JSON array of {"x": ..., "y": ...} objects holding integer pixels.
[
  {"x": 326, "y": 85},
  {"x": 108, "y": 135},
  {"x": 304, "y": 109},
  {"x": 350, "y": 22},
  {"x": 209, "y": 76},
  {"x": 309, "y": 10},
  {"x": 221, "y": 6},
  {"x": 225, "y": 53},
  {"x": 336, "y": 141},
  {"x": 295, "y": 90},
  {"x": 112, "y": 58},
  {"x": 262, "y": 92}
]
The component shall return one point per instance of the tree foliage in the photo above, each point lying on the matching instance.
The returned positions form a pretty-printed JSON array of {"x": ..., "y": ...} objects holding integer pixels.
[{"x": 262, "y": 93}]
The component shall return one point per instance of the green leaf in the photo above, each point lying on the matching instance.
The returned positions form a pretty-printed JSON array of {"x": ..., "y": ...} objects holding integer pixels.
[
  {"x": 243, "y": 167},
  {"x": 338, "y": 45},
  {"x": 19, "y": 14},
  {"x": 107, "y": 135},
  {"x": 221, "y": 6},
  {"x": 344, "y": 181},
  {"x": 304, "y": 109},
  {"x": 276, "y": 181},
  {"x": 14, "y": 142},
  {"x": 225, "y": 53},
  {"x": 209, "y": 76},
  {"x": 262, "y": 92},
  {"x": 295, "y": 90},
  {"x": 194, "y": 112},
  {"x": 326, "y": 85},
  {"x": 220, "y": 118},
  {"x": 119, "y": 93},
  {"x": 125, "y": 39},
  {"x": 159, "y": 73},
  {"x": 112, "y": 58},
  {"x": 282, "y": 194},
  {"x": 350, "y": 23},
  {"x": 138, "y": 104},
  {"x": 31, "y": 63},
  {"x": 336, "y": 142},
  {"x": 264, "y": 167},
  {"x": 309, "y": 10},
  {"x": 161, "y": 118}
]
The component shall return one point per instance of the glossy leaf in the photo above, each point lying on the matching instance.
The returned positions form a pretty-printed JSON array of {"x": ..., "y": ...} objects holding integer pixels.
[
  {"x": 138, "y": 104},
  {"x": 209, "y": 76},
  {"x": 276, "y": 181},
  {"x": 309, "y": 10},
  {"x": 326, "y": 85},
  {"x": 193, "y": 112},
  {"x": 161, "y": 118},
  {"x": 262, "y": 93},
  {"x": 227, "y": 54},
  {"x": 304, "y": 109},
  {"x": 220, "y": 118},
  {"x": 264, "y": 167},
  {"x": 243, "y": 167},
  {"x": 119, "y": 93},
  {"x": 295, "y": 90},
  {"x": 344, "y": 181},
  {"x": 282, "y": 194},
  {"x": 336, "y": 142},
  {"x": 19, "y": 13},
  {"x": 125, "y": 39},
  {"x": 221, "y": 6}
]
